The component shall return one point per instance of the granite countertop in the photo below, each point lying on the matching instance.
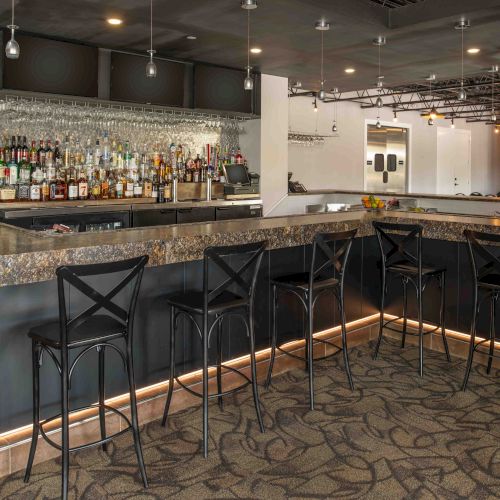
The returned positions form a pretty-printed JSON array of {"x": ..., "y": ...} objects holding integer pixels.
[
  {"x": 399, "y": 195},
  {"x": 27, "y": 257}
]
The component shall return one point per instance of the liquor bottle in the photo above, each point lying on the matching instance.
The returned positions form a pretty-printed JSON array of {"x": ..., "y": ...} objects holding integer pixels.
[
  {"x": 112, "y": 185},
  {"x": 119, "y": 184},
  {"x": 13, "y": 171},
  {"x": 57, "y": 153},
  {"x": 94, "y": 188},
  {"x": 89, "y": 154},
  {"x": 97, "y": 153},
  {"x": 106, "y": 153},
  {"x": 72, "y": 185},
  {"x": 35, "y": 187},
  {"x": 2, "y": 168},
  {"x": 58, "y": 187},
  {"x": 19, "y": 150},
  {"x": 45, "y": 187},
  {"x": 33, "y": 154},
  {"x": 83, "y": 187},
  {"x": 103, "y": 177},
  {"x": 41, "y": 153},
  {"x": 138, "y": 188},
  {"x": 49, "y": 153},
  {"x": 160, "y": 196},
  {"x": 51, "y": 169},
  {"x": 66, "y": 156},
  {"x": 147, "y": 184},
  {"x": 128, "y": 185},
  {"x": 25, "y": 152},
  {"x": 238, "y": 158},
  {"x": 24, "y": 170}
]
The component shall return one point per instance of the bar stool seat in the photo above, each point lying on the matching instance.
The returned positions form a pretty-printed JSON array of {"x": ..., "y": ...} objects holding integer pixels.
[
  {"x": 98, "y": 328},
  {"x": 301, "y": 281},
  {"x": 406, "y": 267},
  {"x": 490, "y": 281},
  {"x": 192, "y": 301}
]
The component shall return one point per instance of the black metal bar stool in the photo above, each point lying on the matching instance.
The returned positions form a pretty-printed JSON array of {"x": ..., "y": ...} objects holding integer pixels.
[
  {"x": 81, "y": 334},
  {"x": 232, "y": 296},
  {"x": 330, "y": 256},
  {"x": 401, "y": 254},
  {"x": 486, "y": 282}
]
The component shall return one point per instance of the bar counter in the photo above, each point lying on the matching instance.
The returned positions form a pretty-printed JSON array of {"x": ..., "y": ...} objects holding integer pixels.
[
  {"x": 30, "y": 257},
  {"x": 28, "y": 291}
]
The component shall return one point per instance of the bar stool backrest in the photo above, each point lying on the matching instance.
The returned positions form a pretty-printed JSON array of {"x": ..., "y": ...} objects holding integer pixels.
[
  {"x": 241, "y": 278},
  {"x": 482, "y": 260},
  {"x": 73, "y": 275},
  {"x": 331, "y": 253},
  {"x": 399, "y": 243}
]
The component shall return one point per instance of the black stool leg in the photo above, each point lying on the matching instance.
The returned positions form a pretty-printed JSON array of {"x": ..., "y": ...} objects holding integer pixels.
[
  {"x": 133, "y": 412},
  {"x": 253, "y": 363},
  {"x": 36, "y": 408},
  {"x": 420, "y": 328},
  {"x": 492, "y": 331},
  {"x": 472, "y": 344},
  {"x": 310, "y": 350},
  {"x": 381, "y": 324},
  {"x": 274, "y": 335},
  {"x": 102, "y": 413},
  {"x": 65, "y": 422},
  {"x": 172, "y": 365},
  {"x": 405, "y": 309},
  {"x": 205, "y": 385},
  {"x": 219, "y": 362},
  {"x": 442, "y": 310},
  {"x": 344, "y": 341}
]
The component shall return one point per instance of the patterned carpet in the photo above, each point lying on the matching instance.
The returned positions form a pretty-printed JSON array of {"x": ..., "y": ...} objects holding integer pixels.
[{"x": 395, "y": 436}]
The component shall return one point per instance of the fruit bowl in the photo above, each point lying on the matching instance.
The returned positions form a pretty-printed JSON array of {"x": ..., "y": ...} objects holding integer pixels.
[{"x": 372, "y": 202}]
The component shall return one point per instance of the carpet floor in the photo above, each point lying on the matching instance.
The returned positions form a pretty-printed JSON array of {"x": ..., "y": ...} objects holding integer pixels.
[{"x": 395, "y": 436}]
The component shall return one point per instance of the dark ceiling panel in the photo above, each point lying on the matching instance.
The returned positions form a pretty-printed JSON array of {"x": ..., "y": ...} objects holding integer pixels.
[
  {"x": 53, "y": 67},
  {"x": 130, "y": 83},
  {"x": 420, "y": 37}
]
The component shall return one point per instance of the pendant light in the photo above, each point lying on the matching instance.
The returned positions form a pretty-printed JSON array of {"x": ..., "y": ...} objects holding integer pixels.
[
  {"x": 315, "y": 105},
  {"x": 322, "y": 26},
  {"x": 379, "y": 42},
  {"x": 334, "y": 126},
  {"x": 452, "y": 122},
  {"x": 493, "y": 71},
  {"x": 248, "y": 5},
  {"x": 462, "y": 25},
  {"x": 151, "y": 66},
  {"x": 12, "y": 49}
]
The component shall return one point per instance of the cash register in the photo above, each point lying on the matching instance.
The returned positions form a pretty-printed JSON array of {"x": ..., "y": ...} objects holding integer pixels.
[{"x": 240, "y": 183}]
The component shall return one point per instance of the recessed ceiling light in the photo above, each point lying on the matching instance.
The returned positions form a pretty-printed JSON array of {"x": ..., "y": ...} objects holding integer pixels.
[
  {"x": 114, "y": 21},
  {"x": 349, "y": 70},
  {"x": 473, "y": 50},
  {"x": 191, "y": 37},
  {"x": 255, "y": 50}
]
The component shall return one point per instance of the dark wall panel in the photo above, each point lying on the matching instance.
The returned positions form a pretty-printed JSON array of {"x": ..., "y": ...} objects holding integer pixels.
[
  {"x": 130, "y": 83},
  {"x": 53, "y": 67},
  {"x": 221, "y": 88}
]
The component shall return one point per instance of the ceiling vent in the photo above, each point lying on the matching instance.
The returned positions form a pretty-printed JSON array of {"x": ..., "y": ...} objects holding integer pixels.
[{"x": 395, "y": 4}]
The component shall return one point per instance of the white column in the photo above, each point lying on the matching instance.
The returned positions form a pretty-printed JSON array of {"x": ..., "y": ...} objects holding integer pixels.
[{"x": 273, "y": 140}]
